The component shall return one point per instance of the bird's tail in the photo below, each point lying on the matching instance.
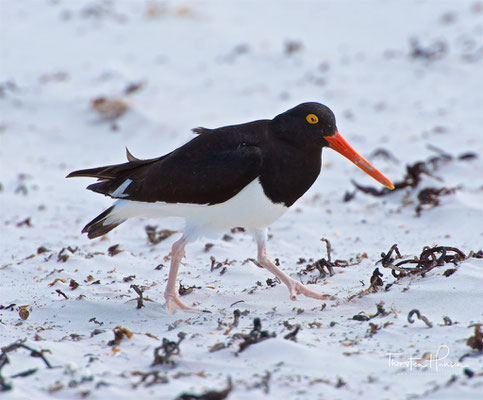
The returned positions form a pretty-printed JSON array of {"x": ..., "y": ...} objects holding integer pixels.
[{"x": 103, "y": 223}]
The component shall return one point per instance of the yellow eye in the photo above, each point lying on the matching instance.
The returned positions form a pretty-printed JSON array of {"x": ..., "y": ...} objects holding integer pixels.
[{"x": 312, "y": 119}]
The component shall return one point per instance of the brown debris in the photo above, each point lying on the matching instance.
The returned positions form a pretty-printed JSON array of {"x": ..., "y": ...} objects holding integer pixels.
[
  {"x": 73, "y": 284},
  {"x": 133, "y": 87},
  {"x": 293, "y": 335},
  {"x": 42, "y": 249},
  {"x": 63, "y": 280},
  {"x": 380, "y": 312},
  {"x": 140, "y": 298},
  {"x": 376, "y": 280},
  {"x": 208, "y": 247},
  {"x": 322, "y": 265},
  {"x": 4, "y": 360},
  {"x": 109, "y": 108},
  {"x": 210, "y": 395},
  {"x": 476, "y": 341},
  {"x": 429, "y": 258},
  {"x": 23, "y": 313},
  {"x": 61, "y": 293},
  {"x": 119, "y": 334},
  {"x": 420, "y": 316},
  {"x": 413, "y": 176},
  {"x": 185, "y": 290},
  {"x": 25, "y": 222},
  {"x": 157, "y": 236},
  {"x": 114, "y": 250},
  {"x": 255, "y": 336},
  {"x": 430, "y": 197},
  {"x": 434, "y": 51},
  {"x": 150, "y": 378},
  {"x": 169, "y": 349}
]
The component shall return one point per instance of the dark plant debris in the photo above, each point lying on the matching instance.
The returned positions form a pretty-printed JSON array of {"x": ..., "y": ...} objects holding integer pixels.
[
  {"x": 114, "y": 250},
  {"x": 61, "y": 293},
  {"x": 4, "y": 360},
  {"x": 255, "y": 336},
  {"x": 169, "y": 349},
  {"x": 434, "y": 51},
  {"x": 380, "y": 312},
  {"x": 236, "y": 317},
  {"x": 150, "y": 378},
  {"x": 210, "y": 395},
  {"x": 430, "y": 257},
  {"x": 429, "y": 197},
  {"x": 140, "y": 298},
  {"x": 264, "y": 382},
  {"x": 119, "y": 334},
  {"x": 325, "y": 265},
  {"x": 156, "y": 236},
  {"x": 476, "y": 341},
  {"x": 413, "y": 178},
  {"x": 185, "y": 290},
  {"x": 420, "y": 316},
  {"x": 293, "y": 335},
  {"x": 376, "y": 280},
  {"x": 23, "y": 312},
  {"x": 73, "y": 284}
]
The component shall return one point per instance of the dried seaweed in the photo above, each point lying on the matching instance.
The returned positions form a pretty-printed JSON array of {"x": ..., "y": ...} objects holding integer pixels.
[
  {"x": 185, "y": 290},
  {"x": 156, "y": 236},
  {"x": 140, "y": 299},
  {"x": 435, "y": 51},
  {"x": 413, "y": 178},
  {"x": 325, "y": 265},
  {"x": 150, "y": 378},
  {"x": 114, "y": 250},
  {"x": 476, "y": 341},
  {"x": 210, "y": 395},
  {"x": 73, "y": 284},
  {"x": 4, "y": 360},
  {"x": 293, "y": 335},
  {"x": 380, "y": 312},
  {"x": 420, "y": 316},
  {"x": 256, "y": 335},
  {"x": 119, "y": 334},
  {"x": 430, "y": 257},
  {"x": 169, "y": 349},
  {"x": 61, "y": 293},
  {"x": 376, "y": 280},
  {"x": 430, "y": 197},
  {"x": 236, "y": 317}
]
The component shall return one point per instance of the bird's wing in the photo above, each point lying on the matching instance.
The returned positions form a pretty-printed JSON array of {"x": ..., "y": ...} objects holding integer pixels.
[{"x": 209, "y": 169}]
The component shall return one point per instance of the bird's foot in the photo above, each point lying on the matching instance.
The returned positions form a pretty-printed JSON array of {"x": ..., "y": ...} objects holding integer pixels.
[
  {"x": 173, "y": 303},
  {"x": 295, "y": 288}
]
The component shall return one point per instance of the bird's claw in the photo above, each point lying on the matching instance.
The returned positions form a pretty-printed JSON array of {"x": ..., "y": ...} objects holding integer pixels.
[
  {"x": 173, "y": 303},
  {"x": 295, "y": 288}
]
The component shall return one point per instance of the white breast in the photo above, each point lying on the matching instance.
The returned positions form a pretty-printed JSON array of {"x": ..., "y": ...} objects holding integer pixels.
[{"x": 250, "y": 209}]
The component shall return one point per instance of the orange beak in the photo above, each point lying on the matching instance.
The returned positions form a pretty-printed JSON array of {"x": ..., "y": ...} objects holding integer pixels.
[{"x": 338, "y": 143}]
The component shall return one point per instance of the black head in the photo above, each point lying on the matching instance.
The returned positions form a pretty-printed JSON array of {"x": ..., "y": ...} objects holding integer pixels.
[{"x": 305, "y": 125}]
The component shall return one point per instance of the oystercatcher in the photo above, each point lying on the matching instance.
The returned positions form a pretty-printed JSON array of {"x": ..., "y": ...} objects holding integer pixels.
[{"x": 244, "y": 175}]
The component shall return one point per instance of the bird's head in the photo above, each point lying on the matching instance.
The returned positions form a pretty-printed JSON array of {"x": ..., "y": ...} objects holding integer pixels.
[{"x": 313, "y": 125}]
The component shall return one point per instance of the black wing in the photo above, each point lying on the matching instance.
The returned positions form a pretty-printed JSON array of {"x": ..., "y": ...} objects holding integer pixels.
[{"x": 210, "y": 169}]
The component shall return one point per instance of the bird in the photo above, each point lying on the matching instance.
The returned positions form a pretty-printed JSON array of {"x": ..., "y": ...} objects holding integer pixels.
[{"x": 246, "y": 175}]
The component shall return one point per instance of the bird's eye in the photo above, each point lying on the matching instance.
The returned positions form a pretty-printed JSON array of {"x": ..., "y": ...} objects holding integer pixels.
[{"x": 312, "y": 119}]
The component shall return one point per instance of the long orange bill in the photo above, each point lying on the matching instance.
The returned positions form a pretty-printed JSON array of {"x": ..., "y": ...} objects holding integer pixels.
[{"x": 338, "y": 143}]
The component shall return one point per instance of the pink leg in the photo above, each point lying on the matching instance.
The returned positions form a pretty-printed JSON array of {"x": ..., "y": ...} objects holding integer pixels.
[
  {"x": 172, "y": 300},
  {"x": 294, "y": 287}
]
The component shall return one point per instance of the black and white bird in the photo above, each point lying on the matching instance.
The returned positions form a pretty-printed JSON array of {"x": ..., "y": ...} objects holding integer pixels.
[{"x": 245, "y": 175}]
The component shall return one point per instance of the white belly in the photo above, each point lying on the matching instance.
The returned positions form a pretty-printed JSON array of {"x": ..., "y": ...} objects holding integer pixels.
[{"x": 250, "y": 209}]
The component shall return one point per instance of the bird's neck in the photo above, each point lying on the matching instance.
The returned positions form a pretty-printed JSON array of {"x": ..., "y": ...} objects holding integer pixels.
[{"x": 289, "y": 172}]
